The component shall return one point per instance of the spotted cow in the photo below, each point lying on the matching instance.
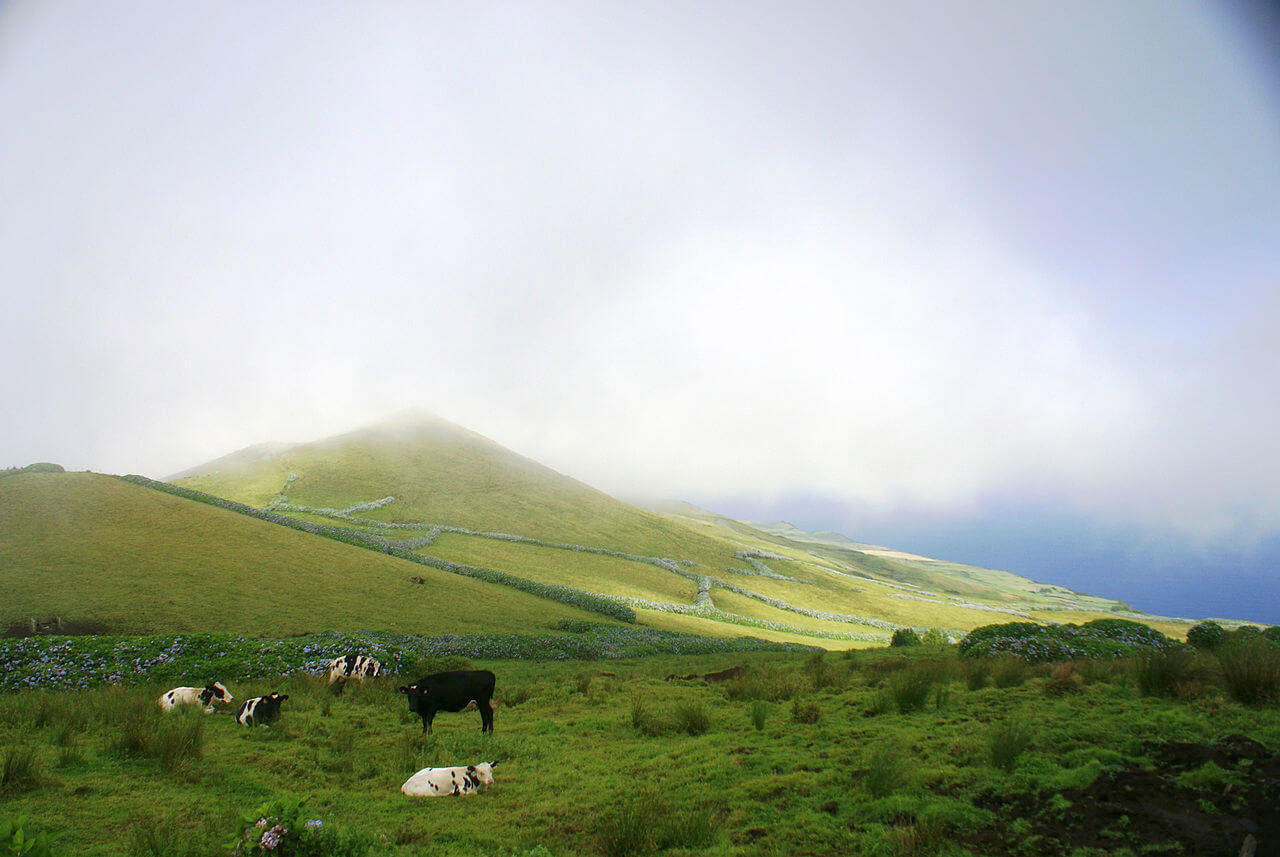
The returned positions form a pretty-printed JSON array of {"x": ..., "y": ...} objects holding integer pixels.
[
  {"x": 260, "y": 710},
  {"x": 437, "y": 782},
  {"x": 358, "y": 667},
  {"x": 205, "y": 696}
]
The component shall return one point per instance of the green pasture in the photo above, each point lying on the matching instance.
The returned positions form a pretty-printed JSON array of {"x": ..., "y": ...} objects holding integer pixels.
[{"x": 800, "y": 755}]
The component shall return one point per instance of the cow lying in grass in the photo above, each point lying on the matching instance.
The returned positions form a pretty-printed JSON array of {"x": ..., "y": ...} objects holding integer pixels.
[
  {"x": 260, "y": 710},
  {"x": 205, "y": 696},
  {"x": 435, "y": 782},
  {"x": 452, "y": 691},
  {"x": 359, "y": 667}
]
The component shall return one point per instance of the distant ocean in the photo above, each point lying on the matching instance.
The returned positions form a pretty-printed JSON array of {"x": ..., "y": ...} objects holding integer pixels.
[{"x": 1167, "y": 575}]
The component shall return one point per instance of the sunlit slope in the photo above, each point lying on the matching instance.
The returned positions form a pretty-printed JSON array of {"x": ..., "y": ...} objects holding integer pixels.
[
  {"x": 440, "y": 473},
  {"x": 92, "y": 547}
]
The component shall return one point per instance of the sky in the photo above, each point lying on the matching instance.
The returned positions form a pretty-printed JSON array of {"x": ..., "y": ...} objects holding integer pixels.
[{"x": 992, "y": 281}]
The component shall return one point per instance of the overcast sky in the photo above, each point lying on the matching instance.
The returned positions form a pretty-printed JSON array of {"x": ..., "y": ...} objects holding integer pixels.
[{"x": 903, "y": 256}]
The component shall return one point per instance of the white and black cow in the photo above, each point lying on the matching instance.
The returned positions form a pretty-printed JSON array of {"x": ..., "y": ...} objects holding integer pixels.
[
  {"x": 452, "y": 691},
  {"x": 359, "y": 667},
  {"x": 260, "y": 710},
  {"x": 205, "y": 696},
  {"x": 436, "y": 782}
]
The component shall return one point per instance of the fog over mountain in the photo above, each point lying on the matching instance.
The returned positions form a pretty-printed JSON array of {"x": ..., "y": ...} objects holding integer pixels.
[{"x": 994, "y": 280}]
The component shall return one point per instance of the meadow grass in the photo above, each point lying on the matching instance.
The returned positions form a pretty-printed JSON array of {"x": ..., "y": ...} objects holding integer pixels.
[{"x": 569, "y": 760}]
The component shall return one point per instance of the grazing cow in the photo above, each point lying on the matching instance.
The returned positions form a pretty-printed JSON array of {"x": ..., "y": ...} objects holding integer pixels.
[
  {"x": 260, "y": 710},
  {"x": 207, "y": 696},
  {"x": 436, "y": 782},
  {"x": 359, "y": 667},
  {"x": 452, "y": 691}
]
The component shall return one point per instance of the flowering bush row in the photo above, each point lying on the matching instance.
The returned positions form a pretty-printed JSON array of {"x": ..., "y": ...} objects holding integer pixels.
[
  {"x": 1042, "y": 643},
  {"x": 83, "y": 662},
  {"x": 759, "y": 569}
]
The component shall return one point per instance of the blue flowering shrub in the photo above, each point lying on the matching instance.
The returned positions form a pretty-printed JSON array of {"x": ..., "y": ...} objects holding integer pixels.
[
  {"x": 1101, "y": 638},
  {"x": 84, "y": 662},
  {"x": 1207, "y": 635}
]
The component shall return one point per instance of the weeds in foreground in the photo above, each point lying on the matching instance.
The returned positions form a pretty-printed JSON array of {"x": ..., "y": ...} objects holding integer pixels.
[
  {"x": 884, "y": 771},
  {"x": 643, "y": 720},
  {"x": 768, "y": 683},
  {"x": 758, "y": 712},
  {"x": 804, "y": 711},
  {"x": 21, "y": 770},
  {"x": 1161, "y": 673},
  {"x": 692, "y": 718},
  {"x": 1006, "y": 744},
  {"x": 910, "y": 689},
  {"x": 1009, "y": 671},
  {"x": 644, "y": 824}
]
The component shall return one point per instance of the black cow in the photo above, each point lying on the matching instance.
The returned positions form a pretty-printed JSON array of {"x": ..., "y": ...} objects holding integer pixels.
[
  {"x": 260, "y": 710},
  {"x": 452, "y": 691}
]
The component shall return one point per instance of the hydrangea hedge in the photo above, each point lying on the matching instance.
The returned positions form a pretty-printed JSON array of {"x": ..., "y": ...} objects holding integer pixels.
[
  {"x": 1100, "y": 638},
  {"x": 83, "y": 662}
]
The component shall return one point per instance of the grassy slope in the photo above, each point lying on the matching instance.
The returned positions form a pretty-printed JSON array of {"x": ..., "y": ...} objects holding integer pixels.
[
  {"x": 787, "y": 788},
  {"x": 88, "y": 546}
]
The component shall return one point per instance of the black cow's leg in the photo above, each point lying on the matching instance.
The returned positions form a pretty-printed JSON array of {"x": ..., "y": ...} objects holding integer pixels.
[{"x": 486, "y": 716}]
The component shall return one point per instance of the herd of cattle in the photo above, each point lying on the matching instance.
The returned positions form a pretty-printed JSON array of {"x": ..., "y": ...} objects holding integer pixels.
[{"x": 445, "y": 691}]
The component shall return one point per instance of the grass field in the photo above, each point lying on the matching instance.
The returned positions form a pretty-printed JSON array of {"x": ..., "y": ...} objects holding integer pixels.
[
  {"x": 799, "y": 756},
  {"x": 91, "y": 547}
]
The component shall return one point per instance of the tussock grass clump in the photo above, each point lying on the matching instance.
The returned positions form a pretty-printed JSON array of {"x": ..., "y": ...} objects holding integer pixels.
[
  {"x": 1162, "y": 673},
  {"x": 758, "y": 714},
  {"x": 822, "y": 673},
  {"x": 885, "y": 773},
  {"x": 644, "y": 720},
  {"x": 910, "y": 689},
  {"x": 582, "y": 683},
  {"x": 517, "y": 695},
  {"x": 644, "y": 824},
  {"x": 21, "y": 770},
  {"x": 1251, "y": 671},
  {"x": 804, "y": 711},
  {"x": 1063, "y": 678},
  {"x": 977, "y": 674},
  {"x": 1009, "y": 671},
  {"x": 769, "y": 683},
  {"x": 178, "y": 742},
  {"x": 692, "y": 718},
  {"x": 1007, "y": 742}
]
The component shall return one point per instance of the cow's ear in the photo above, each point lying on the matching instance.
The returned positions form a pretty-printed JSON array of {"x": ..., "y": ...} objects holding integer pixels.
[
  {"x": 493, "y": 764},
  {"x": 471, "y": 769}
]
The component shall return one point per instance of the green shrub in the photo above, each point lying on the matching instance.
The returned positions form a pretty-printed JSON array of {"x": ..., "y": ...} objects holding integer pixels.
[
  {"x": 1251, "y": 670},
  {"x": 18, "y": 840},
  {"x": 904, "y": 637},
  {"x": 1006, "y": 744},
  {"x": 1207, "y": 635},
  {"x": 1101, "y": 638},
  {"x": 977, "y": 674},
  {"x": 934, "y": 639},
  {"x": 1272, "y": 634},
  {"x": 179, "y": 741}
]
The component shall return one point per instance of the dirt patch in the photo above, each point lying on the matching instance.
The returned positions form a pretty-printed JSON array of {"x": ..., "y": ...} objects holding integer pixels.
[{"x": 1198, "y": 799}]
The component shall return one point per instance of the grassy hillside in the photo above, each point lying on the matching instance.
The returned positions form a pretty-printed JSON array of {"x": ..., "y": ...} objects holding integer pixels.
[
  {"x": 440, "y": 473},
  {"x": 92, "y": 547}
]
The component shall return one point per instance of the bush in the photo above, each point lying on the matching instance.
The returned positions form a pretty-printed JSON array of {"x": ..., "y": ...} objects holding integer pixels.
[
  {"x": 281, "y": 827},
  {"x": 1006, "y": 744},
  {"x": 904, "y": 637},
  {"x": 643, "y": 720},
  {"x": 17, "y": 839},
  {"x": 1101, "y": 638},
  {"x": 1207, "y": 635},
  {"x": 934, "y": 639},
  {"x": 1251, "y": 671},
  {"x": 758, "y": 712}
]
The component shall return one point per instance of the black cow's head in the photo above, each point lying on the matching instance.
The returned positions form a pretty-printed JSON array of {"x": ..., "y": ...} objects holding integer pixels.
[{"x": 413, "y": 693}]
